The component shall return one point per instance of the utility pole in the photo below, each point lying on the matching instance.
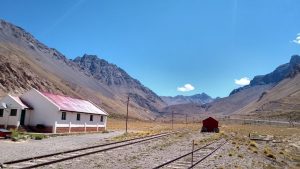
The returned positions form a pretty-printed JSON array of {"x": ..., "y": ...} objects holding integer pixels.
[
  {"x": 172, "y": 119},
  {"x": 186, "y": 120},
  {"x": 127, "y": 114}
]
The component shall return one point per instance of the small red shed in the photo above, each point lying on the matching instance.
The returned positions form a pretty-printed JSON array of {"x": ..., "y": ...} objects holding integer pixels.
[{"x": 210, "y": 125}]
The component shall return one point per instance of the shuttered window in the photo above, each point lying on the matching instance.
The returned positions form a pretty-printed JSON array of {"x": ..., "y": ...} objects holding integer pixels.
[
  {"x": 13, "y": 112},
  {"x": 63, "y": 115},
  {"x": 78, "y": 117}
]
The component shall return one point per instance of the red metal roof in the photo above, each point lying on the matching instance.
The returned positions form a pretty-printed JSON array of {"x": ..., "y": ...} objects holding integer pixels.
[{"x": 74, "y": 105}]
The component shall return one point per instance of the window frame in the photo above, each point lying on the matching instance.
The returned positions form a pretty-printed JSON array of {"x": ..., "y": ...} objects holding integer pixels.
[
  {"x": 91, "y": 117},
  {"x": 101, "y": 118},
  {"x": 63, "y": 115},
  {"x": 78, "y": 117},
  {"x": 13, "y": 112},
  {"x": 1, "y": 112}
]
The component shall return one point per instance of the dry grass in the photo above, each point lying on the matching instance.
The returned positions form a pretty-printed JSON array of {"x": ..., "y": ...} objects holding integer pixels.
[
  {"x": 132, "y": 135},
  {"x": 244, "y": 130},
  {"x": 136, "y": 125}
]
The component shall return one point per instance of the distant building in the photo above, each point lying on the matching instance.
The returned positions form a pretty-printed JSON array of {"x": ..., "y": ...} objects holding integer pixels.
[
  {"x": 45, "y": 112},
  {"x": 210, "y": 125}
]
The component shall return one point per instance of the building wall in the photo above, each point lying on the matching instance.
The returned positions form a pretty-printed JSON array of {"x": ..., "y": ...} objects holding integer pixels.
[
  {"x": 8, "y": 120},
  {"x": 43, "y": 109},
  {"x": 84, "y": 119}
]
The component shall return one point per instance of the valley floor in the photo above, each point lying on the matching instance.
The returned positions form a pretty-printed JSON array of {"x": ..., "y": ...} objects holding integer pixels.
[{"x": 282, "y": 151}]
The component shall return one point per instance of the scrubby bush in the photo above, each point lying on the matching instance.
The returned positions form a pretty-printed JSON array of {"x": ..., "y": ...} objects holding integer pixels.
[{"x": 253, "y": 144}]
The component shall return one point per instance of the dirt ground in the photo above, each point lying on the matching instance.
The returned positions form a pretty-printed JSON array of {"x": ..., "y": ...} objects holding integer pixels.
[{"x": 280, "y": 151}]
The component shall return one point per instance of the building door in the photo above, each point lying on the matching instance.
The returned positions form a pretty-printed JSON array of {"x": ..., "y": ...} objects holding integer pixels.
[{"x": 22, "y": 120}]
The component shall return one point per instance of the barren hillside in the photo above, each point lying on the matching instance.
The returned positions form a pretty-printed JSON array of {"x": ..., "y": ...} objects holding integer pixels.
[{"x": 28, "y": 63}]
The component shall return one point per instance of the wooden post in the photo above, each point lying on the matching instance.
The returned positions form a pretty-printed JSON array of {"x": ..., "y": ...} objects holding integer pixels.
[
  {"x": 54, "y": 127},
  {"x": 127, "y": 114},
  {"x": 70, "y": 125},
  {"x": 193, "y": 153}
]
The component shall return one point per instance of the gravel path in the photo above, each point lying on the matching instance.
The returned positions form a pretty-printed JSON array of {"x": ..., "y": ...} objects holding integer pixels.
[
  {"x": 143, "y": 155},
  {"x": 17, "y": 150}
]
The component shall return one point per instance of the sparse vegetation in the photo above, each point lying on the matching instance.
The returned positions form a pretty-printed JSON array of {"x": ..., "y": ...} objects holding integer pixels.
[
  {"x": 253, "y": 144},
  {"x": 268, "y": 152}
]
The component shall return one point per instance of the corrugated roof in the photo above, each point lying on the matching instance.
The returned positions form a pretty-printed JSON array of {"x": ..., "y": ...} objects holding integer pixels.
[
  {"x": 74, "y": 105},
  {"x": 20, "y": 102}
]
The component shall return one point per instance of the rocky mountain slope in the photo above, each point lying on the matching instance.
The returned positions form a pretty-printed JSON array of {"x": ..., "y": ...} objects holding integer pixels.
[
  {"x": 28, "y": 63},
  {"x": 119, "y": 81},
  {"x": 180, "y": 99},
  {"x": 276, "y": 94}
]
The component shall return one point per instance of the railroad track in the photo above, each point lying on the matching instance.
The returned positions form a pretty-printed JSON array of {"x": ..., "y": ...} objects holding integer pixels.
[
  {"x": 44, "y": 160},
  {"x": 193, "y": 158}
]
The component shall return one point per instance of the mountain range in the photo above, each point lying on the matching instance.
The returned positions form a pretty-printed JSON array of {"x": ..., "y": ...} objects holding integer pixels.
[
  {"x": 202, "y": 98},
  {"x": 27, "y": 62}
]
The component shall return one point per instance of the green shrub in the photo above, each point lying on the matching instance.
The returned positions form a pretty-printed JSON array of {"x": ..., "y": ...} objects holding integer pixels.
[{"x": 38, "y": 137}]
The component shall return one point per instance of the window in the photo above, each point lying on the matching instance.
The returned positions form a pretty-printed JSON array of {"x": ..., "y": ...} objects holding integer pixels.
[
  {"x": 1, "y": 112},
  {"x": 78, "y": 117},
  {"x": 63, "y": 115},
  {"x": 13, "y": 112},
  {"x": 91, "y": 117},
  {"x": 101, "y": 118}
]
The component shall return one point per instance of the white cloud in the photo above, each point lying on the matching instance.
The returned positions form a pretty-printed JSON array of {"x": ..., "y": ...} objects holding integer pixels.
[
  {"x": 243, "y": 81},
  {"x": 297, "y": 40},
  {"x": 186, "y": 88}
]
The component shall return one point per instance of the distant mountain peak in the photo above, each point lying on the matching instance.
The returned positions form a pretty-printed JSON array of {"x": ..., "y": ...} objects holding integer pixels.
[
  {"x": 118, "y": 80},
  {"x": 202, "y": 98}
]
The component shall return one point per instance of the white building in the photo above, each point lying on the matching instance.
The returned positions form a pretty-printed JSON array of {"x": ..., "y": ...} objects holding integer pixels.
[{"x": 45, "y": 112}]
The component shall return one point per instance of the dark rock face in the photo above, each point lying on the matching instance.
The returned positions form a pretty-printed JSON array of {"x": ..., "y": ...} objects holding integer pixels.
[
  {"x": 284, "y": 71},
  {"x": 118, "y": 80},
  {"x": 196, "y": 99}
]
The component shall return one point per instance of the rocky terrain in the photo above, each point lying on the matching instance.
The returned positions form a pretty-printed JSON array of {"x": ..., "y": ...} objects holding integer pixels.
[
  {"x": 119, "y": 81},
  {"x": 27, "y": 63}
]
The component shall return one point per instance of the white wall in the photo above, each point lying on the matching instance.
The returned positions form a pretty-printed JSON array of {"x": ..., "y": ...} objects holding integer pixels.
[
  {"x": 44, "y": 111},
  {"x": 11, "y": 104},
  {"x": 84, "y": 118}
]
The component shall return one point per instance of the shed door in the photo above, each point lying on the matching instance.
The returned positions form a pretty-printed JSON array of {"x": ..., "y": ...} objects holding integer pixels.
[{"x": 23, "y": 114}]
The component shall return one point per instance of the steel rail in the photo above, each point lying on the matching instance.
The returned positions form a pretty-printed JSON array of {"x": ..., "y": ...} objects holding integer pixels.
[
  {"x": 141, "y": 139},
  {"x": 207, "y": 155},
  {"x": 178, "y": 158}
]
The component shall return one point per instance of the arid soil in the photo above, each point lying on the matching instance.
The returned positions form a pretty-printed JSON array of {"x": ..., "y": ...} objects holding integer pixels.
[{"x": 281, "y": 150}]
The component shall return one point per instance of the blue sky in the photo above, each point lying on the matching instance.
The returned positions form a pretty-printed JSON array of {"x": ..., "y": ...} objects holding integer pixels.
[{"x": 169, "y": 43}]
